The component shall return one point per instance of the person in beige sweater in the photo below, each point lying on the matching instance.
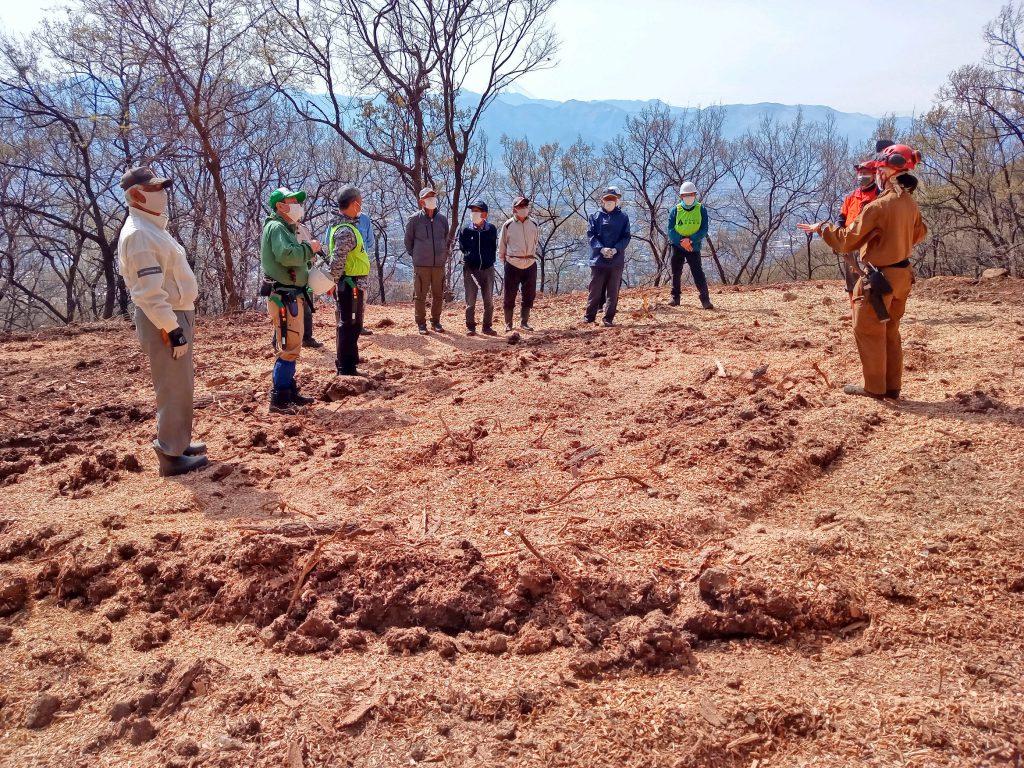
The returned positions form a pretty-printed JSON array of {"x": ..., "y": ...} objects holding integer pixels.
[{"x": 517, "y": 249}]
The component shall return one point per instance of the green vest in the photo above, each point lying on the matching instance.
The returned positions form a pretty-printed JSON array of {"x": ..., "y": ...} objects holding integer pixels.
[
  {"x": 357, "y": 263},
  {"x": 687, "y": 221}
]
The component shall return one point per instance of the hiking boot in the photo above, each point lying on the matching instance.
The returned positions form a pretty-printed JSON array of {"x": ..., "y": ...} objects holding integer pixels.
[
  {"x": 854, "y": 389},
  {"x": 588, "y": 321},
  {"x": 281, "y": 402},
  {"x": 299, "y": 400},
  {"x": 422, "y": 328},
  {"x": 312, "y": 343},
  {"x": 892, "y": 394},
  {"x": 198, "y": 449},
  {"x": 170, "y": 466},
  {"x": 674, "y": 302},
  {"x": 488, "y": 331},
  {"x": 508, "y": 327},
  {"x": 525, "y": 326},
  {"x": 436, "y": 328},
  {"x": 471, "y": 331},
  {"x": 706, "y": 304},
  {"x": 365, "y": 332},
  {"x": 607, "y": 323}
]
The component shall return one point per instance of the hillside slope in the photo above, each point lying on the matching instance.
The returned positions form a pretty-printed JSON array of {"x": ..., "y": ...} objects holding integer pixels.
[{"x": 586, "y": 548}]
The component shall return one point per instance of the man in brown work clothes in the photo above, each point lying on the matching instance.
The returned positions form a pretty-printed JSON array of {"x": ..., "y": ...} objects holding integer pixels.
[{"x": 885, "y": 233}]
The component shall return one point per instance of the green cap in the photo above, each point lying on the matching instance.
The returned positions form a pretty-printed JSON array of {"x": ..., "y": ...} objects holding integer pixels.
[{"x": 283, "y": 193}]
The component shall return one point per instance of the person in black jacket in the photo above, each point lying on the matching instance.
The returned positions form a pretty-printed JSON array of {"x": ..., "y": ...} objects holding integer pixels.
[{"x": 478, "y": 242}]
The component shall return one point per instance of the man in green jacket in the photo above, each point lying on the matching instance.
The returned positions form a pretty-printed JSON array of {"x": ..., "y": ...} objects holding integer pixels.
[
  {"x": 349, "y": 268},
  {"x": 286, "y": 263}
]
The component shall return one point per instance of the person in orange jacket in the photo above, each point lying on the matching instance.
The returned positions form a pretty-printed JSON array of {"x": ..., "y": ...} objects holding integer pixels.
[
  {"x": 865, "y": 192},
  {"x": 884, "y": 233}
]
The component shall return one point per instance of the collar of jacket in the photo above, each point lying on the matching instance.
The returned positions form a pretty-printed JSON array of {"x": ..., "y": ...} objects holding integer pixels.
[
  {"x": 279, "y": 218},
  {"x": 155, "y": 220}
]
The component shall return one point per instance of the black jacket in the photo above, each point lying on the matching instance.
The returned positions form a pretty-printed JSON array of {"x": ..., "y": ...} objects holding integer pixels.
[{"x": 479, "y": 246}]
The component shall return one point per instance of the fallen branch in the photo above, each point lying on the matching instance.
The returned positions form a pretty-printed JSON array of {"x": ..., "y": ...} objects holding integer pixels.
[
  {"x": 570, "y": 582},
  {"x": 823, "y": 374},
  {"x": 581, "y": 483},
  {"x": 181, "y": 688},
  {"x": 314, "y": 558},
  {"x": 536, "y": 441}
]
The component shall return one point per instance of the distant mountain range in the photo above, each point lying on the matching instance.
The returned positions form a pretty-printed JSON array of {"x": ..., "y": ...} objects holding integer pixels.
[{"x": 597, "y": 122}]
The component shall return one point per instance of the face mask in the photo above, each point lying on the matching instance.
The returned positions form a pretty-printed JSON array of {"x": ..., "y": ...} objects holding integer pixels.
[
  {"x": 156, "y": 202},
  {"x": 296, "y": 212},
  {"x": 523, "y": 212},
  {"x": 689, "y": 201},
  {"x": 430, "y": 203},
  {"x": 609, "y": 205},
  {"x": 865, "y": 182},
  {"x": 477, "y": 217}
]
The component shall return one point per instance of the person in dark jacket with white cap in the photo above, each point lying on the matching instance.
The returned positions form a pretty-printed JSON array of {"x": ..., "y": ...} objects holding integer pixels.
[
  {"x": 426, "y": 241},
  {"x": 164, "y": 290},
  {"x": 478, "y": 242},
  {"x": 609, "y": 235}
]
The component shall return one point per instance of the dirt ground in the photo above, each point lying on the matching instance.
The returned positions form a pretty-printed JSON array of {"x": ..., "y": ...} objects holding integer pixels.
[{"x": 586, "y": 548}]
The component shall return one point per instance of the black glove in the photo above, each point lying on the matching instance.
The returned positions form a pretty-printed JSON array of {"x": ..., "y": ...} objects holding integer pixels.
[{"x": 179, "y": 344}]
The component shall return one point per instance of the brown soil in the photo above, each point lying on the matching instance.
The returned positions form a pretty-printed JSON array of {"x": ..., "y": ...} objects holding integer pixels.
[{"x": 585, "y": 548}]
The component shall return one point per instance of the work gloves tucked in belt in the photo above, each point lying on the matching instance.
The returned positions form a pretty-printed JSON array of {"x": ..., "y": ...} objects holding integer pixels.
[
  {"x": 176, "y": 341},
  {"x": 608, "y": 253}
]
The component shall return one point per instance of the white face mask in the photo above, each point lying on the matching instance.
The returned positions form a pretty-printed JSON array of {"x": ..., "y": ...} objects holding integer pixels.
[
  {"x": 296, "y": 212},
  {"x": 689, "y": 201},
  {"x": 523, "y": 212},
  {"x": 477, "y": 217},
  {"x": 155, "y": 202},
  {"x": 609, "y": 205},
  {"x": 430, "y": 203}
]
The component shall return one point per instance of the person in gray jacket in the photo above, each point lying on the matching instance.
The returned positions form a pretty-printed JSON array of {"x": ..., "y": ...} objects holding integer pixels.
[{"x": 426, "y": 240}]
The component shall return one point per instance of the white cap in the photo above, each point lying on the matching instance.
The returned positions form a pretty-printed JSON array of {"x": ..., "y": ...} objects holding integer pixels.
[{"x": 688, "y": 188}]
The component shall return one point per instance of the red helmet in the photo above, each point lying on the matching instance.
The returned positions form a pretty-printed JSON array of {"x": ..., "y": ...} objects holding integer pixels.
[{"x": 899, "y": 157}]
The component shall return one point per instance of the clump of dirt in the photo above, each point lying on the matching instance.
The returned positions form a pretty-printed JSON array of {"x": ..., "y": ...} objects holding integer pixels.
[{"x": 650, "y": 642}]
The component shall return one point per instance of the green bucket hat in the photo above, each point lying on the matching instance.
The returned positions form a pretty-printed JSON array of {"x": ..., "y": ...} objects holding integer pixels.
[{"x": 283, "y": 193}]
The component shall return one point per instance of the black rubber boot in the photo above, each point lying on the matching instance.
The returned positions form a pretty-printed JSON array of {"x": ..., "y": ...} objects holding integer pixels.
[
  {"x": 524, "y": 320},
  {"x": 281, "y": 402},
  {"x": 195, "y": 449},
  {"x": 170, "y": 466},
  {"x": 300, "y": 400}
]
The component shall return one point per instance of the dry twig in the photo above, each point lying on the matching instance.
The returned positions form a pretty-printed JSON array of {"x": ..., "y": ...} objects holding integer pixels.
[{"x": 587, "y": 481}]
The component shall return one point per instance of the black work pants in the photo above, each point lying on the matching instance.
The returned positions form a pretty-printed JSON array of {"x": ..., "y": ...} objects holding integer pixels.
[
  {"x": 696, "y": 269},
  {"x": 351, "y": 302}
]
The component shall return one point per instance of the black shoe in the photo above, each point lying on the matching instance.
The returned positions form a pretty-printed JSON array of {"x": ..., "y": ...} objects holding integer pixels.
[
  {"x": 347, "y": 371},
  {"x": 674, "y": 302},
  {"x": 892, "y": 394},
  {"x": 508, "y": 327},
  {"x": 198, "y": 449},
  {"x": 171, "y": 466},
  {"x": 312, "y": 343},
  {"x": 525, "y": 326},
  {"x": 488, "y": 331},
  {"x": 366, "y": 332},
  {"x": 607, "y": 323},
  {"x": 422, "y": 328},
  {"x": 281, "y": 402},
  {"x": 436, "y": 328},
  {"x": 300, "y": 400},
  {"x": 588, "y": 321},
  {"x": 471, "y": 331},
  {"x": 707, "y": 304}
]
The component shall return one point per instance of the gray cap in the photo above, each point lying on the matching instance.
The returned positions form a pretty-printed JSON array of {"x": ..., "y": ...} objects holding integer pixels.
[
  {"x": 142, "y": 175},
  {"x": 611, "y": 192},
  {"x": 427, "y": 192}
]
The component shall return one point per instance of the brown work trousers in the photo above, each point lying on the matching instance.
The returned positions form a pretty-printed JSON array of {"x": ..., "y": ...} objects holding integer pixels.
[
  {"x": 289, "y": 345},
  {"x": 428, "y": 279},
  {"x": 880, "y": 344}
]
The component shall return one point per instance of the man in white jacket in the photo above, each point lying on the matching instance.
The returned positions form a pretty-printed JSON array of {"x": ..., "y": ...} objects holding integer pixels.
[
  {"x": 164, "y": 290},
  {"x": 517, "y": 249}
]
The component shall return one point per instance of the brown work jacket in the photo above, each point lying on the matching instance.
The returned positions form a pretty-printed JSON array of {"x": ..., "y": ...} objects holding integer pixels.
[{"x": 885, "y": 232}]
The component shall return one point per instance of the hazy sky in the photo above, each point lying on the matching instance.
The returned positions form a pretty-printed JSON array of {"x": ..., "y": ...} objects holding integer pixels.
[{"x": 691, "y": 53}]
